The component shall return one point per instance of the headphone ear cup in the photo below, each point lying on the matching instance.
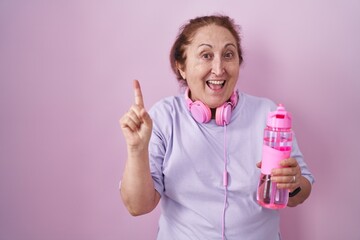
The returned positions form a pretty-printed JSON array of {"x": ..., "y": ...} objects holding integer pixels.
[
  {"x": 223, "y": 114},
  {"x": 200, "y": 112}
]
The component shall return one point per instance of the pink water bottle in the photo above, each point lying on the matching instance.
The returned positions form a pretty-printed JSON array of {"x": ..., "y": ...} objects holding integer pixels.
[{"x": 276, "y": 147}]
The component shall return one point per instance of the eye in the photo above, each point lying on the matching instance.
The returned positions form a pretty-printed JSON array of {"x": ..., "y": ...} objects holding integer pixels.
[
  {"x": 206, "y": 56},
  {"x": 229, "y": 55}
]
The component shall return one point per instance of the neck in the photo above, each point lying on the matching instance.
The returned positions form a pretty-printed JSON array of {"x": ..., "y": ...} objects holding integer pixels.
[{"x": 213, "y": 112}]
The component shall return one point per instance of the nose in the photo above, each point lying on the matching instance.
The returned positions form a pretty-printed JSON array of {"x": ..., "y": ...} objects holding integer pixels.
[{"x": 218, "y": 66}]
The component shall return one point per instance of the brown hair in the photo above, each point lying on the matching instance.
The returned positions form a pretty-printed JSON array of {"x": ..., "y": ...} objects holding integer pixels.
[{"x": 187, "y": 32}]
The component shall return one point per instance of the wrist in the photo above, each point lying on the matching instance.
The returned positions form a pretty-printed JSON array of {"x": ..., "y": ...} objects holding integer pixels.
[{"x": 295, "y": 192}]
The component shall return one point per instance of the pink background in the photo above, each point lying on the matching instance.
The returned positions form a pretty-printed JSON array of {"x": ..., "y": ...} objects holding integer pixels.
[{"x": 66, "y": 71}]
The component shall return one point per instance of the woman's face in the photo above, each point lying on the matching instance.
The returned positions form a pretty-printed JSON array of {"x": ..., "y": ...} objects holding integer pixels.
[{"x": 212, "y": 65}]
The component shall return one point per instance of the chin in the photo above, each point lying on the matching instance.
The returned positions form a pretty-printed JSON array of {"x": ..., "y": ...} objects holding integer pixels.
[{"x": 215, "y": 104}]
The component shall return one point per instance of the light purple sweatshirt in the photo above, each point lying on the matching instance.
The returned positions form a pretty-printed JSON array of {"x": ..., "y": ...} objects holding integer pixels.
[{"x": 187, "y": 165}]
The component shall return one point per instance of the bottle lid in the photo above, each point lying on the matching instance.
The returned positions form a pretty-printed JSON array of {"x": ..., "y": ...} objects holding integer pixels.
[{"x": 279, "y": 118}]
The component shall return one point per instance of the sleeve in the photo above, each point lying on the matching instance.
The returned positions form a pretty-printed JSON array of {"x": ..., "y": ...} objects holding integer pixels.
[
  {"x": 296, "y": 153},
  {"x": 156, "y": 158},
  {"x": 158, "y": 143}
]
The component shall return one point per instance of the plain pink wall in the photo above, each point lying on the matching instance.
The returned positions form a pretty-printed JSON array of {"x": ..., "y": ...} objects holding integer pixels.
[{"x": 66, "y": 69}]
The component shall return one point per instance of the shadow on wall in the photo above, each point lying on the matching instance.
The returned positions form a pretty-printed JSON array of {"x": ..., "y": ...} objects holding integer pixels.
[{"x": 257, "y": 73}]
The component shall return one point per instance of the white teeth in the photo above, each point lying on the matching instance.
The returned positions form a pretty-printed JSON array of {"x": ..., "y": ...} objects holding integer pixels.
[{"x": 216, "y": 82}]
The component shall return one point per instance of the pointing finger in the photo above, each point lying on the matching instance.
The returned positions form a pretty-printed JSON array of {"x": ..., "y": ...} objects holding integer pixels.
[{"x": 138, "y": 94}]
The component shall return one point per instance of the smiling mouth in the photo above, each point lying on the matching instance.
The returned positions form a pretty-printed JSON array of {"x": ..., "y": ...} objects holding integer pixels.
[{"x": 215, "y": 84}]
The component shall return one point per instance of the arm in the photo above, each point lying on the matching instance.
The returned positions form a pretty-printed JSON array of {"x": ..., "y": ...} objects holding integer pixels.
[
  {"x": 302, "y": 195},
  {"x": 137, "y": 187}
]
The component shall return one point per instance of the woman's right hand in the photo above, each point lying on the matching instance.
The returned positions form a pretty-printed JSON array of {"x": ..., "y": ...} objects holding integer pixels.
[
  {"x": 137, "y": 186},
  {"x": 136, "y": 124}
]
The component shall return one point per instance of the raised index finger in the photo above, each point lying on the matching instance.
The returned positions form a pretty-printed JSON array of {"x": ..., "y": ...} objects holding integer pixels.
[{"x": 138, "y": 94}]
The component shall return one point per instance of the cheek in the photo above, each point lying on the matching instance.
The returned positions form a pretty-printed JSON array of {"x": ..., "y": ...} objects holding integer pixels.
[
  {"x": 200, "y": 70},
  {"x": 233, "y": 69}
]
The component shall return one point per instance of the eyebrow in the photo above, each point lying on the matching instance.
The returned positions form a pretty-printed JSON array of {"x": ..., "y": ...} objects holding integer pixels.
[
  {"x": 206, "y": 45},
  {"x": 210, "y": 46},
  {"x": 230, "y": 44}
]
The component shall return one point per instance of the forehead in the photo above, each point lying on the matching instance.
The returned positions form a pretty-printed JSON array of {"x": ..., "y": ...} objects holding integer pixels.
[{"x": 213, "y": 34}]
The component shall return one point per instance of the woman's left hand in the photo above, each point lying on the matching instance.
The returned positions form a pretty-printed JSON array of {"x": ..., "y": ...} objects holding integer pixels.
[{"x": 288, "y": 176}]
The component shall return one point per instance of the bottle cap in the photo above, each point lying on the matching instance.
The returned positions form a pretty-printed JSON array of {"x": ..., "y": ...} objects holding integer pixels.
[{"x": 279, "y": 118}]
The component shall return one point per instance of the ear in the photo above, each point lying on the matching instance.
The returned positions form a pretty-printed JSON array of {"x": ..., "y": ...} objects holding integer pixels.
[{"x": 181, "y": 71}]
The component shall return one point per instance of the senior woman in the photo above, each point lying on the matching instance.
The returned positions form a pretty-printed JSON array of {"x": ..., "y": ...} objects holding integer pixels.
[{"x": 185, "y": 148}]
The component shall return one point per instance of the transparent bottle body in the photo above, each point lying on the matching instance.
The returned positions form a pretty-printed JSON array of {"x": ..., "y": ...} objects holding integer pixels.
[{"x": 268, "y": 194}]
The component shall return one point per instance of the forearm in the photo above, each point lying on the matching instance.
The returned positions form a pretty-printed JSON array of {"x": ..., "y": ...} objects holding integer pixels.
[
  {"x": 302, "y": 195},
  {"x": 137, "y": 187}
]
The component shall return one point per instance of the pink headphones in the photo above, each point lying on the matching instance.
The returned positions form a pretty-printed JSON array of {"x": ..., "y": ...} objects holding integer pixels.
[{"x": 202, "y": 113}]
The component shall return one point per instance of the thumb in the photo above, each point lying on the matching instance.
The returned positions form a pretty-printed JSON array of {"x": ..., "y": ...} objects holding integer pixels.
[{"x": 258, "y": 164}]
